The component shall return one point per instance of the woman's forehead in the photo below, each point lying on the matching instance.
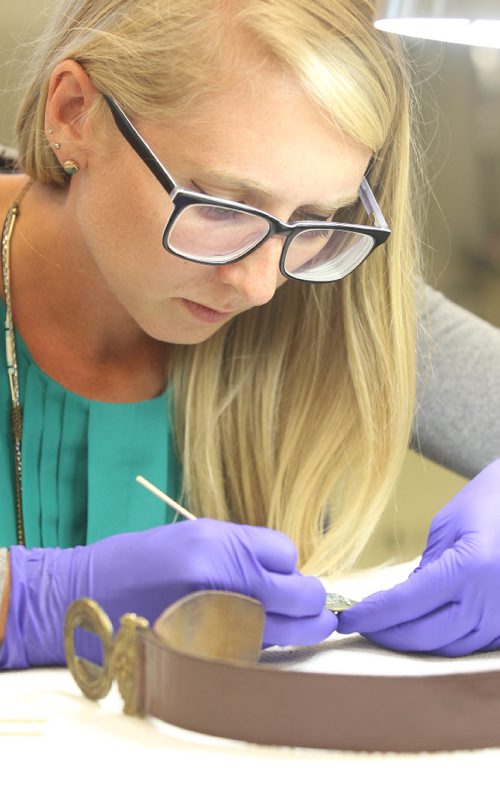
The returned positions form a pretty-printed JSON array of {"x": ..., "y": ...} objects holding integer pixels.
[{"x": 257, "y": 142}]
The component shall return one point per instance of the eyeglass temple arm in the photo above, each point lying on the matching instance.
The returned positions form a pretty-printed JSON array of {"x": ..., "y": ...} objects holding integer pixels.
[
  {"x": 370, "y": 203},
  {"x": 139, "y": 145}
]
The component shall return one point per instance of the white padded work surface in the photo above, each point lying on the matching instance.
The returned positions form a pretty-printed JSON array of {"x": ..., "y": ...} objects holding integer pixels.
[{"x": 52, "y": 739}]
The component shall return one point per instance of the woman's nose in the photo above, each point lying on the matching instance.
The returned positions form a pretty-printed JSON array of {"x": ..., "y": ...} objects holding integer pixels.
[{"x": 256, "y": 277}]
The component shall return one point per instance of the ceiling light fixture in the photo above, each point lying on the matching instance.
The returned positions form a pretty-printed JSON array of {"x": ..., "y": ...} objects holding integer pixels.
[{"x": 473, "y": 22}]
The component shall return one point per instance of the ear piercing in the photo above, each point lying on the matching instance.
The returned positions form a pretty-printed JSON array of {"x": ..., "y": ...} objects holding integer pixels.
[{"x": 70, "y": 166}]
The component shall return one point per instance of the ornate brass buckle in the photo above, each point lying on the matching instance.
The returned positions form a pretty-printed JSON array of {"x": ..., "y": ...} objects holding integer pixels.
[
  {"x": 210, "y": 624},
  {"x": 120, "y": 654}
]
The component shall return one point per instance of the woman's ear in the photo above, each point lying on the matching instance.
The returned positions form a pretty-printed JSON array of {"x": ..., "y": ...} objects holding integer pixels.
[{"x": 70, "y": 97}]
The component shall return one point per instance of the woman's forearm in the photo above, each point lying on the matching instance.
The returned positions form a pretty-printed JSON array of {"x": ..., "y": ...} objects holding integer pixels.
[{"x": 4, "y": 590}]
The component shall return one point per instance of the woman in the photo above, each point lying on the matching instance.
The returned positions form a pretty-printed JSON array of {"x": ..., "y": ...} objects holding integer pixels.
[{"x": 186, "y": 310}]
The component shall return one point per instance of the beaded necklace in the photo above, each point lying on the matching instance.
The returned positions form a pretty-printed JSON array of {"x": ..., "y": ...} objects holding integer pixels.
[{"x": 12, "y": 371}]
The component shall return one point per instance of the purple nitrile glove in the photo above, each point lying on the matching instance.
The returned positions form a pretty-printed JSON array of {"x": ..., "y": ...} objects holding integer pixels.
[
  {"x": 144, "y": 572},
  {"x": 450, "y": 604}
]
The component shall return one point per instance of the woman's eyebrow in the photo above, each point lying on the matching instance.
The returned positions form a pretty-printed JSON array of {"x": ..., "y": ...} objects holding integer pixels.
[{"x": 261, "y": 193}]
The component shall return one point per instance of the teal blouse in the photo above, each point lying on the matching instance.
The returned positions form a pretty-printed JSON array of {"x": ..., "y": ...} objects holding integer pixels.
[{"x": 80, "y": 458}]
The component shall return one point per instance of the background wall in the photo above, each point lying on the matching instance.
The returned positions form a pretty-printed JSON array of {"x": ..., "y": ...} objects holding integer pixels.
[
  {"x": 461, "y": 98},
  {"x": 460, "y": 90}
]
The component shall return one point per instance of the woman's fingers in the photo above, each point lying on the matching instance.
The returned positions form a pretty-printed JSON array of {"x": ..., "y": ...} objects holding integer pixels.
[
  {"x": 481, "y": 638},
  {"x": 428, "y": 633},
  {"x": 292, "y": 595},
  {"x": 426, "y": 591},
  {"x": 273, "y": 549},
  {"x": 281, "y": 630}
]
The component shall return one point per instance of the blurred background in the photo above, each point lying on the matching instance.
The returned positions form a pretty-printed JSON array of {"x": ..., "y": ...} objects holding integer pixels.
[{"x": 460, "y": 93}]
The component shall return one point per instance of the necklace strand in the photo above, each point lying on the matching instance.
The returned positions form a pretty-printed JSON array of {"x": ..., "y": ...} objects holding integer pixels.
[{"x": 12, "y": 370}]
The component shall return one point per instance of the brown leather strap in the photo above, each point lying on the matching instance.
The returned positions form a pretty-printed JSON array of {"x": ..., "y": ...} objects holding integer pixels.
[
  {"x": 345, "y": 712},
  {"x": 198, "y": 669}
]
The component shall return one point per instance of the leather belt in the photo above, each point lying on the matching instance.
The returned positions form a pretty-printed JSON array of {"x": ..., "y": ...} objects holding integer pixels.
[{"x": 198, "y": 668}]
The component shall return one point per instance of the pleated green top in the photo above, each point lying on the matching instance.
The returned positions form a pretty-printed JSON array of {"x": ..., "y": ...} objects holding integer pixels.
[{"x": 80, "y": 460}]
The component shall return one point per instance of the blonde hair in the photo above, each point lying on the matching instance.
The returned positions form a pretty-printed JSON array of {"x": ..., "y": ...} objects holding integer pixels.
[{"x": 297, "y": 414}]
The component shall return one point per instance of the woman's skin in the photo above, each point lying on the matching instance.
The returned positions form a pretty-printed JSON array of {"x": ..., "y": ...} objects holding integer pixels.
[{"x": 89, "y": 272}]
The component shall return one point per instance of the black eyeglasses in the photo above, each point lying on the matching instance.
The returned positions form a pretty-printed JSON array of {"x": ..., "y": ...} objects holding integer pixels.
[{"x": 215, "y": 231}]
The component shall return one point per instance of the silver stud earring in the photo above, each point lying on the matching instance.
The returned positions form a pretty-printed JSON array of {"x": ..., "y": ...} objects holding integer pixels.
[{"x": 50, "y": 131}]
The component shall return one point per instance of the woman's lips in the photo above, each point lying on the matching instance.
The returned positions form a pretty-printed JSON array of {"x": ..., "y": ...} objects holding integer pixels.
[{"x": 204, "y": 313}]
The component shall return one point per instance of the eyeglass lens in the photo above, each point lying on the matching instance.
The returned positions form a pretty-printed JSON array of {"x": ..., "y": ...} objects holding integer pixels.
[
  {"x": 215, "y": 235},
  {"x": 326, "y": 254}
]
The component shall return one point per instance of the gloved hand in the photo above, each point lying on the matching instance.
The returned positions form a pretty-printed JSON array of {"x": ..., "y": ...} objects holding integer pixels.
[
  {"x": 144, "y": 572},
  {"x": 450, "y": 604}
]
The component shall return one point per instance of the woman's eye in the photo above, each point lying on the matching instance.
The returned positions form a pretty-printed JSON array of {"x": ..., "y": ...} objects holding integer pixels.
[
  {"x": 311, "y": 218},
  {"x": 317, "y": 234},
  {"x": 218, "y": 213}
]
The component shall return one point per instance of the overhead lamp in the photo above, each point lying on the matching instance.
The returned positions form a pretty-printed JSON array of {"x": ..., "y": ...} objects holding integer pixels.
[{"x": 474, "y": 22}]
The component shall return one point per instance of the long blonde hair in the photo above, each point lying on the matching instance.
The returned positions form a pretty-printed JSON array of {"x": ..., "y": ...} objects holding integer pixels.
[{"x": 297, "y": 414}]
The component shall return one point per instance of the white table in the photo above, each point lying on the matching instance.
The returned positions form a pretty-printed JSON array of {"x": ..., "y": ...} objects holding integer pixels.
[{"x": 53, "y": 739}]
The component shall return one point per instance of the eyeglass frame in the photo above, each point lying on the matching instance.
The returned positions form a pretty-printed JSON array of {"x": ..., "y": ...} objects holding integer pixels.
[{"x": 183, "y": 198}]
